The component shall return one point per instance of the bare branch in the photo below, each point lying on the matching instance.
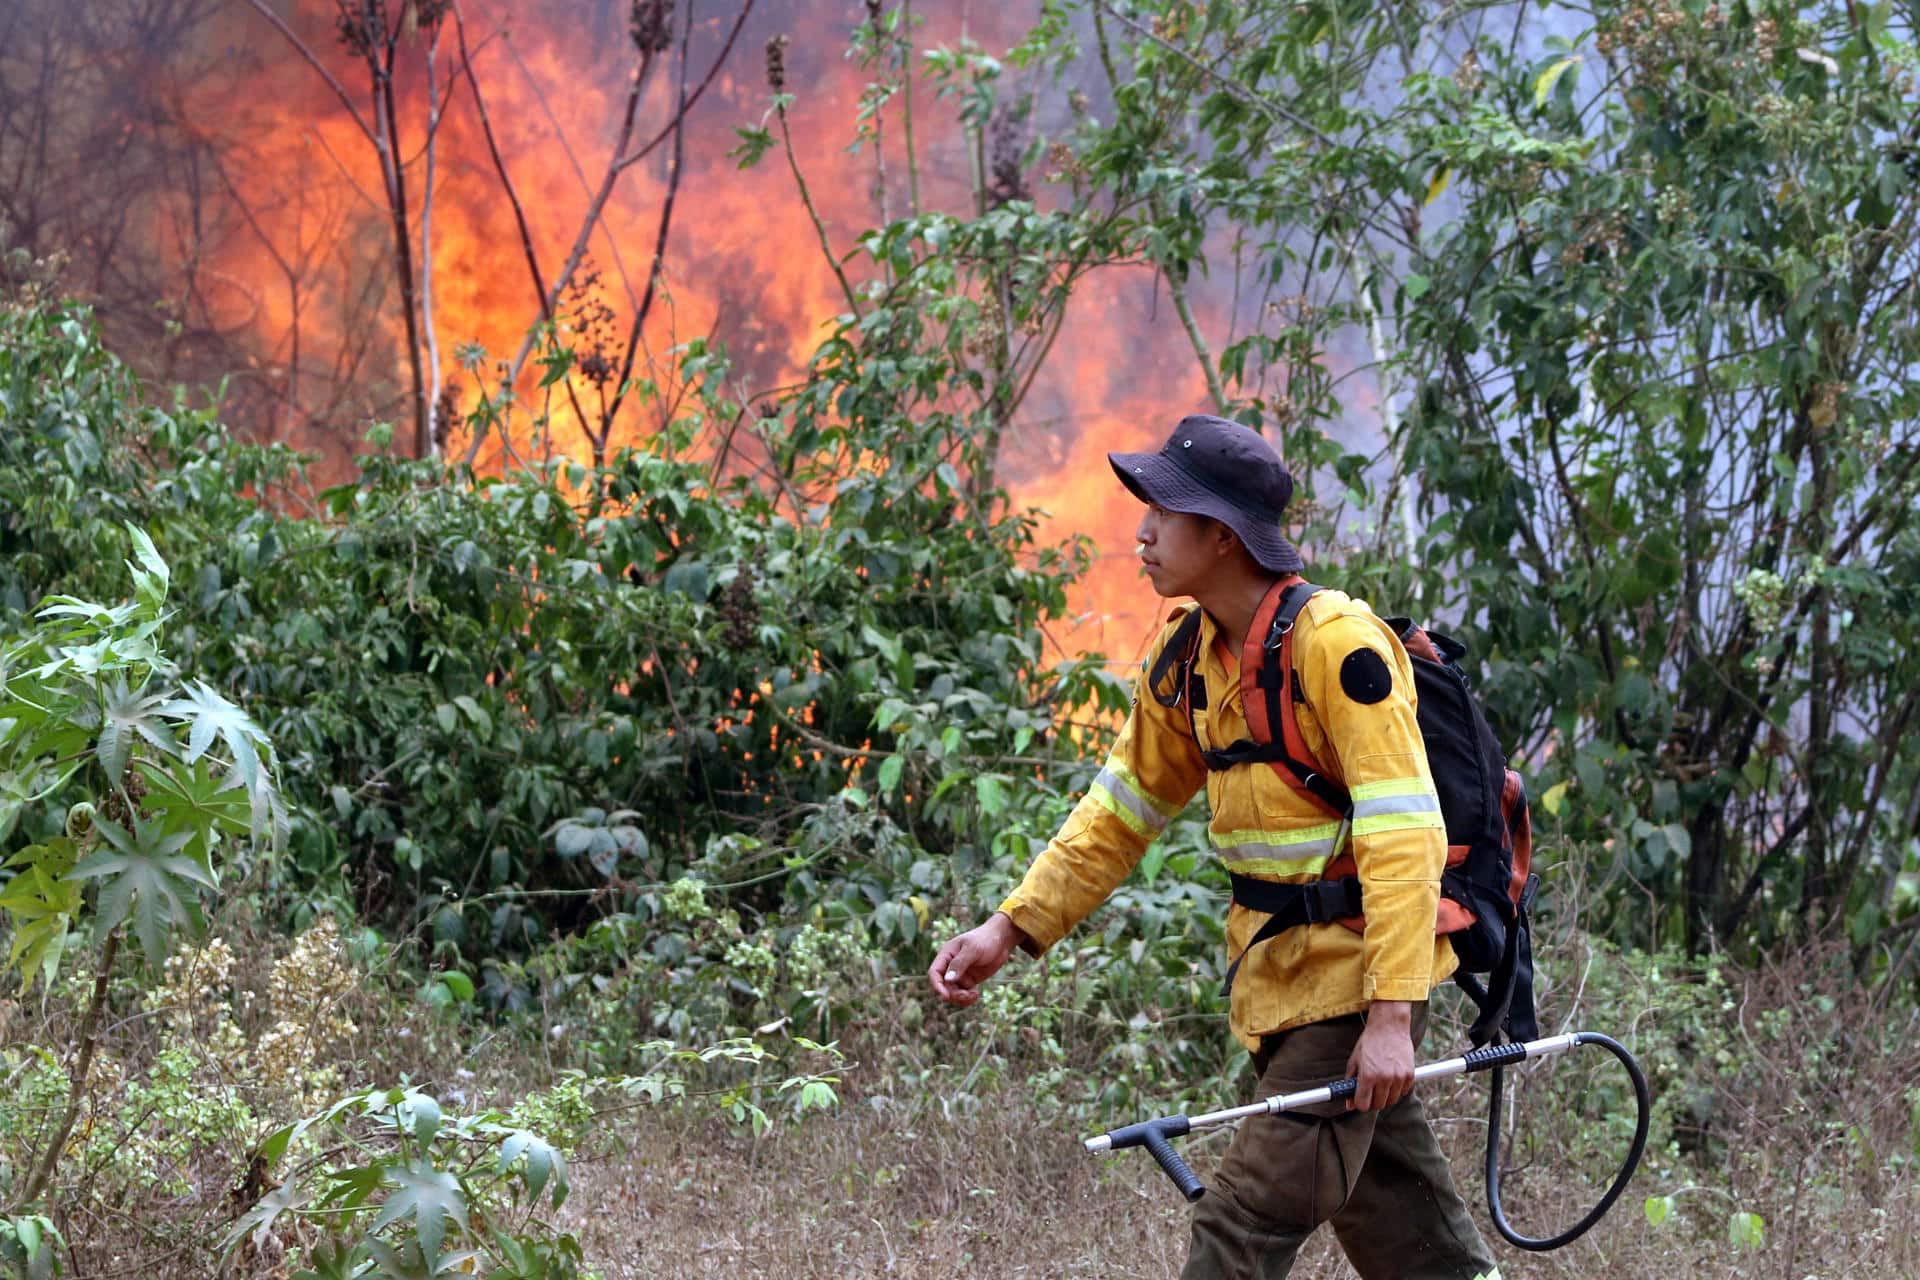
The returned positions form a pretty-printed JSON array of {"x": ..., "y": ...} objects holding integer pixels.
[
  {"x": 659, "y": 254},
  {"x": 726, "y": 51},
  {"x": 426, "y": 246},
  {"x": 621, "y": 160},
  {"x": 573, "y": 161},
  {"x": 813, "y": 214},
  {"x": 500, "y": 168},
  {"x": 339, "y": 91}
]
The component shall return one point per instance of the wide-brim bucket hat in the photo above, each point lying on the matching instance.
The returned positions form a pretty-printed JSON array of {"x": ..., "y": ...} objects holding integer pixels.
[{"x": 1212, "y": 467}]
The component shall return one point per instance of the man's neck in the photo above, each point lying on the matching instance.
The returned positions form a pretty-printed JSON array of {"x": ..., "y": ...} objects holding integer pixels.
[{"x": 1233, "y": 601}]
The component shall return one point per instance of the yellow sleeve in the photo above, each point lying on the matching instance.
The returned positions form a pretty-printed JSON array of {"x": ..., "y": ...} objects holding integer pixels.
[
  {"x": 1359, "y": 682},
  {"x": 1151, "y": 773}
]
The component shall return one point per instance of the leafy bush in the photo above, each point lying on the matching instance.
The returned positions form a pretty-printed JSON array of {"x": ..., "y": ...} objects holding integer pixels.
[{"x": 468, "y": 673}]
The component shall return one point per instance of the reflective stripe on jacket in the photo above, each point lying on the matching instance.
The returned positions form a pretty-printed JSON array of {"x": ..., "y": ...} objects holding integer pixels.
[{"x": 1265, "y": 828}]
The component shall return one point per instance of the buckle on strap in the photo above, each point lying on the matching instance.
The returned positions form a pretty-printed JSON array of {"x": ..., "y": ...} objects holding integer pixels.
[
  {"x": 1294, "y": 903},
  {"x": 1328, "y": 900}
]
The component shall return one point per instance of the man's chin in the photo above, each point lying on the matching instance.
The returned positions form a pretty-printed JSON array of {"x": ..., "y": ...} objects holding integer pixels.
[{"x": 1164, "y": 587}]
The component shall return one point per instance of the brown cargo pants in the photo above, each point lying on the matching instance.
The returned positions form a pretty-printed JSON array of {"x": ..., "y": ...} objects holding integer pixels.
[{"x": 1378, "y": 1176}]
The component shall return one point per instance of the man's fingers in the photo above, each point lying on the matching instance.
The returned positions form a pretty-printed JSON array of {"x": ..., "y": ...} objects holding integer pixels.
[
  {"x": 958, "y": 961},
  {"x": 942, "y": 966},
  {"x": 950, "y": 973}
]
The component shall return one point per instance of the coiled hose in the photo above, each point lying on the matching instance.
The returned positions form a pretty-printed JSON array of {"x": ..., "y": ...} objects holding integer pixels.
[{"x": 1599, "y": 1210}]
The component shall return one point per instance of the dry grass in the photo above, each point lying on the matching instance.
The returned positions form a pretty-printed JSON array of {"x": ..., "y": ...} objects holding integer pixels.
[
  {"x": 1789, "y": 1093},
  {"x": 1810, "y": 1124},
  {"x": 878, "y": 1192}
]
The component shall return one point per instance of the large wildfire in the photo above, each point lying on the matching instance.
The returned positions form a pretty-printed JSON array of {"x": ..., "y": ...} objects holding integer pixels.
[{"x": 305, "y": 272}]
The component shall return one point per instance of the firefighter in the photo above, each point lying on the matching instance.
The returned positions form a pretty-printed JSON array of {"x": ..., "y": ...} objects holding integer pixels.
[{"x": 1311, "y": 1002}]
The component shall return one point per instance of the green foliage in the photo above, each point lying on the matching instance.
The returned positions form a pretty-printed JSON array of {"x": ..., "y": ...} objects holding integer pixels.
[
  {"x": 1665, "y": 413},
  {"x": 389, "y": 1182},
  {"x": 473, "y": 672},
  {"x": 87, "y": 725},
  {"x": 30, "y": 1246},
  {"x": 402, "y": 1188},
  {"x": 1632, "y": 282},
  {"x": 682, "y": 762}
]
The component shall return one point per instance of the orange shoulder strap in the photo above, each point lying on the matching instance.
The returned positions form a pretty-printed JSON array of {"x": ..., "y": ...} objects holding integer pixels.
[{"x": 1267, "y": 686}]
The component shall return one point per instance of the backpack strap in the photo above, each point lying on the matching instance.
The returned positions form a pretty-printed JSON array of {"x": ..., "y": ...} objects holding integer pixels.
[
  {"x": 1267, "y": 689},
  {"x": 1290, "y": 905},
  {"x": 1506, "y": 1001},
  {"x": 1177, "y": 655}
]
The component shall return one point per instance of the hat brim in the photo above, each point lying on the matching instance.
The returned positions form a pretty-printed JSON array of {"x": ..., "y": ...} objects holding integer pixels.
[{"x": 1152, "y": 478}]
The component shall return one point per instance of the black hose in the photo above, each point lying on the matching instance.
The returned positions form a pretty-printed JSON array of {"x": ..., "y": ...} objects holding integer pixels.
[{"x": 1639, "y": 1147}]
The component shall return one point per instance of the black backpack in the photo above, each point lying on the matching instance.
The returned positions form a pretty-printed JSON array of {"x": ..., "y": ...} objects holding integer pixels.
[{"x": 1488, "y": 887}]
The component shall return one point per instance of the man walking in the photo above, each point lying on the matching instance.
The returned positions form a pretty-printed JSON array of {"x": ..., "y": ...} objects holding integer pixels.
[{"x": 1319, "y": 998}]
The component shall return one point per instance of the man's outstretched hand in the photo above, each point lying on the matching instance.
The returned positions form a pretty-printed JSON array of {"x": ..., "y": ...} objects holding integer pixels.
[{"x": 973, "y": 957}]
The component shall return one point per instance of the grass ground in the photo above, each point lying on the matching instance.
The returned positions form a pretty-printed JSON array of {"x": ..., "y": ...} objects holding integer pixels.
[
  {"x": 886, "y": 1189},
  {"x": 1789, "y": 1094}
]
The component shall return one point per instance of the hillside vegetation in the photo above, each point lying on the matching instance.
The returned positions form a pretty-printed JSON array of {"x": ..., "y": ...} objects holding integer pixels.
[{"x": 530, "y": 872}]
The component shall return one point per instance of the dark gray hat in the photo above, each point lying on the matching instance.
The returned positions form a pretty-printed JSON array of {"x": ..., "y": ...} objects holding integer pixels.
[{"x": 1212, "y": 467}]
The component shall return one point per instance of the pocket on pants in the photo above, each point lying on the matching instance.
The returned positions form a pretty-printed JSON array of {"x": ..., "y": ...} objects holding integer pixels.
[{"x": 1296, "y": 1172}]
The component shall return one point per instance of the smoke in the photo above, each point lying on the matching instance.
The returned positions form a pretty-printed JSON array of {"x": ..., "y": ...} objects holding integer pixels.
[{"x": 228, "y": 210}]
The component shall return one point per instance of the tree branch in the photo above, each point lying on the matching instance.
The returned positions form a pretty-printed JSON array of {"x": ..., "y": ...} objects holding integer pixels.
[
  {"x": 77, "y": 1095},
  {"x": 658, "y": 265},
  {"x": 339, "y": 91},
  {"x": 500, "y": 167},
  {"x": 813, "y": 215}
]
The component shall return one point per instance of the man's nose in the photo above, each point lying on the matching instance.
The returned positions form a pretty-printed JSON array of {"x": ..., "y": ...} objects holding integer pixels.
[{"x": 1145, "y": 532}]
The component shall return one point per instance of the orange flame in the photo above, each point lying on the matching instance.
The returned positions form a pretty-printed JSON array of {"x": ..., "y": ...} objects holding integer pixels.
[{"x": 743, "y": 258}]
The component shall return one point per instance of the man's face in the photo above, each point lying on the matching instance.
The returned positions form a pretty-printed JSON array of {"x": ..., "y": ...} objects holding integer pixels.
[{"x": 1178, "y": 550}]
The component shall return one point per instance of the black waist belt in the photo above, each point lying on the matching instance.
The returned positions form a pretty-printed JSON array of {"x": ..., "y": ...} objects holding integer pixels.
[{"x": 1289, "y": 905}]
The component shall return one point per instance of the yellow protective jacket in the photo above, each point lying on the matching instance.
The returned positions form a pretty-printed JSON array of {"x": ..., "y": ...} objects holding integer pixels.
[{"x": 1265, "y": 828}]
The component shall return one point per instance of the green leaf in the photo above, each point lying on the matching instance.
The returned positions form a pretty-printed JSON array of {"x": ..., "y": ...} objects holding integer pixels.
[
  {"x": 43, "y": 903},
  {"x": 151, "y": 576},
  {"x": 332, "y": 1259},
  {"x": 557, "y": 365},
  {"x": 1746, "y": 1231},
  {"x": 889, "y": 776},
  {"x": 144, "y": 877},
  {"x": 1659, "y": 1209},
  {"x": 1436, "y": 187},
  {"x": 539, "y": 1163},
  {"x": 419, "y": 1113},
  {"x": 125, "y": 715},
  {"x": 459, "y": 983},
  {"x": 431, "y": 1197},
  {"x": 816, "y": 1095},
  {"x": 276, "y": 1144},
  {"x": 475, "y": 712},
  {"x": 991, "y": 792},
  {"x": 1543, "y": 85},
  {"x": 755, "y": 142},
  {"x": 188, "y": 797},
  {"x": 1554, "y": 798},
  {"x": 209, "y": 715},
  {"x": 288, "y": 1197},
  {"x": 1153, "y": 861}
]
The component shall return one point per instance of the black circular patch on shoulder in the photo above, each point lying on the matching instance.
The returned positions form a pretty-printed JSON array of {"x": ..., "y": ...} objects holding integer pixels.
[{"x": 1364, "y": 677}]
